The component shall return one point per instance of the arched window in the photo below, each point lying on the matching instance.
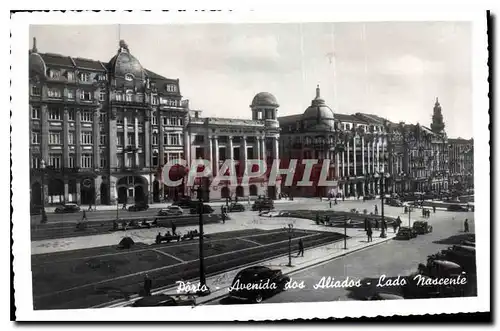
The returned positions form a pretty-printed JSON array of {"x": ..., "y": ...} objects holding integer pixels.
[
  {"x": 129, "y": 77},
  {"x": 128, "y": 96}
]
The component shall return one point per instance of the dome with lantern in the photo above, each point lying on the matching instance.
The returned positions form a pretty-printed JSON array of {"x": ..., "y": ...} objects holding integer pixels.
[
  {"x": 318, "y": 115},
  {"x": 264, "y": 99},
  {"x": 125, "y": 65}
]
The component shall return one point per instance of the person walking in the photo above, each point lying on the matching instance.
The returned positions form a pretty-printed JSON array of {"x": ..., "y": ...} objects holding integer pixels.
[
  {"x": 223, "y": 217},
  {"x": 369, "y": 233},
  {"x": 301, "y": 248},
  {"x": 366, "y": 224},
  {"x": 148, "y": 284},
  {"x": 90, "y": 206},
  {"x": 84, "y": 216},
  {"x": 376, "y": 223},
  {"x": 174, "y": 227},
  {"x": 434, "y": 209},
  {"x": 376, "y": 210},
  {"x": 466, "y": 225},
  {"x": 330, "y": 203}
]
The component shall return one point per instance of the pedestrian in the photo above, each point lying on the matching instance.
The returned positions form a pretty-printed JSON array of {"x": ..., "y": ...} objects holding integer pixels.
[
  {"x": 320, "y": 198},
  {"x": 376, "y": 223},
  {"x": 148, "y": 284},
  {"x": 343, "y": 197},
  {"x": 301, "y": 248},
  {"x": 330, "y": 203},
  {"x": 90, "y": 206},
  {"x": 395, "y": 226},
  {"x": 466, "y": 225},
  {"x": 223, "y": 218},
  {"x": 376, "y": 210},
  {"x": 174, "y": 227},
  {"x": 434, "y": 209},
  {"x": 369, "y": 233},
  {"x": 84, "y": 216},
  {"x": 366, "y": 224},
  {"x": 336, "y": 200}
]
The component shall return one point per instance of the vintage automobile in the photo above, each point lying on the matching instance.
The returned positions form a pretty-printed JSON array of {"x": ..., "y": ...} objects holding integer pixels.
[
  {"x": 256, "y": 283},
  {"x": 171, "y": 211},
  {"x": 420, "y": 284},
  {"x": 422, "y": 227},
  {"x": 457, "y": 207},
  {"x": 369, "y": 197},
  {"x": 468, "y": 243},
  {"x": 185, "y": 202},
  {"x": 234, "y": 207},
  {"x": 406, "y": 233},
  {"x": 139, "y": 207},
  {"x": 263, "y": 204},
  {"x": 459, "y": 255},
  {"x": 162, "y": 300},
  {"x": 206, "y": 209},
  {"x": 67, "y": 208},
  {"x": 394, "y": 202}
]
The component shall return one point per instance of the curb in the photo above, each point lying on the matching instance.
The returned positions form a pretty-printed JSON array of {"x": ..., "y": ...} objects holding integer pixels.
[{"x": 308, "y": 266}]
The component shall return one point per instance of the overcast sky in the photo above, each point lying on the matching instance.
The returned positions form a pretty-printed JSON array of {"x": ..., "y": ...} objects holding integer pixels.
[{"x": 394, "y": 70}]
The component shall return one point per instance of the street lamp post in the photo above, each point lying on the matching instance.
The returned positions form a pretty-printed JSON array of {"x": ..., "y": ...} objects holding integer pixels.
[
  {"x": 290, "y": 234},
  {"x": 44, "y": 214},
  {"x": 345, "y": 232},
  {"x": 203, "y": 289}
]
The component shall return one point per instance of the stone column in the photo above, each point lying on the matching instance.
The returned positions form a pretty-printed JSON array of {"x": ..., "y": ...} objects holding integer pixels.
[
  {"x": 276, "y": 154},
  {"x": 65, "y": 139},
  {"x": 244, "y": 154},
  {"x": 363, "y": 158},
  {"x": 378, "y": 154},
  {"x": 96, "y": 142},
  {"x": 231, "y": 149},
  {"x": 258, "y": 147},
  {"x": 210, "y": 152},
  {"x": 216, "y": 155},
  {"x": 147, "y": 142},
  {"x": 136, "y": 141},
  {"x": 66, "y": 190},
  {"x": 78, "y": 147},
  {"x": 78, "y": 191},
  {"x": 343, "y": 164},
  {"x": 354, "y": 155},
  {"x": 263, "y": 148},
  {"x": 348, "y": 158},
  {"x": 187, "y": 147},
  {"x": 111, "y": 143},
  {"x": 337, "y": 163},
  {"x": 97, "y": 190},
  {"x": 369, "y": 168}
]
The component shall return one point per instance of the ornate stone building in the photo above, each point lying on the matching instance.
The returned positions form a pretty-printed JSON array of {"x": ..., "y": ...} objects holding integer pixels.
[
  {"x": 219, "y": 139},
  {"x": 100, "y": 128},
  {"x": 461, "y": 163}
]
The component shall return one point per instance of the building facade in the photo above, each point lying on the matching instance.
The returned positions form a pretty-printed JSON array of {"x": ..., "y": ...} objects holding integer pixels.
[
  {"x": 99, "y": 130},
  {"x": 220, "y": 139},
  {"x": 461, "y": 163}
]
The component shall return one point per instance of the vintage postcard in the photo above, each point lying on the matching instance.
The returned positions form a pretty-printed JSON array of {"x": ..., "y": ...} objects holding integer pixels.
[{"x": 184, "y": 166}]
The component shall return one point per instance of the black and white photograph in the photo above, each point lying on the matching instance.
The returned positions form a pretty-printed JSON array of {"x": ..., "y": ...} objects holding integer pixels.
[{"x": 190, "y": 166}]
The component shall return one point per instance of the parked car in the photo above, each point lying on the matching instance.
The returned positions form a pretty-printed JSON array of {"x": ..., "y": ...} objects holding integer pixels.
[
  {"x": 139, "y": 207},
  {"x": 207, "y": 209},
  {"x": 457, "y": 208},
  {"x": 369, "y": 197},
  {"x": 264, "y": 204},
  {"x": 422, "y": 227},
  {"x": 185, "y": 202},
  {"x": 256, "y": 283},
  {"x": 394, "y": 202},
  {"x": 171, "y": 211},
  {"x": 68, "y": 208},
  {"x": 162, "y": 300},
  {"x": 236, "y": 207},
  {"x": 406, "y": 233},
  {"x": 36, "y": 209}
]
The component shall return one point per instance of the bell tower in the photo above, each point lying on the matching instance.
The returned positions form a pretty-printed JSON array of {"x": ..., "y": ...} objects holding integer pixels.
[{"x": 437, "y": 125}]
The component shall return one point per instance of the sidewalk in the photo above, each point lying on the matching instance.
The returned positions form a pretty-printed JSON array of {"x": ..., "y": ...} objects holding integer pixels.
[{"x": 219, "y": 284}]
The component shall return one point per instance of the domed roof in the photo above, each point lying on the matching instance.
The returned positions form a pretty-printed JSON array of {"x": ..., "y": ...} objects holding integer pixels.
[
  {"x": 318, "y": 110},
  {"x": 124, "y": 63},
  {"x": 264, "y": 99}
]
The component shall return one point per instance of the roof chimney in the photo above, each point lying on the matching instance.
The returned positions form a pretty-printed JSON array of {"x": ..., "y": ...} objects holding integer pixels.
[
  {"x": 317, "y": 92},
  {"x": 34, "y": 50}
]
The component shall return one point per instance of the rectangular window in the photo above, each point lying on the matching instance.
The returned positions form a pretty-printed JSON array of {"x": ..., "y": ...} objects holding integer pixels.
[
  {"x": 71, "y": 138},
  {"x": 55, "y": 161},
  {"x": 128, "y": 97},
  {"x": 35, "y": 90},
  {"x": 119, "y": 138},
  {"x": 35, "y": 138},
  {"x": 163, "y": 100},
  {"x": 102, "y": 96},
  {"x": 85, "y": 96},
  {"x": 71, "y": 114},
  {"x": 174, "y": 139},
  {"x": 171, "y": 88},
  {"x": 154, "y": 119},
  {"x": 119, "y": 120},
  {"x": 101, "y": 77},
  {"x": 103, "y": 161},
  {"x": 119, "y": 161},
  {"x": 71, "y": 94},
  {"x": 102, "y": 139},
  {"x": 155, "y": 161},
  {"x": 86, "y": 116},
  {"x": 141, "y": 140},
  {"x": 54, "y": 74},
  {"x": 71, "y": 75},
  {"x": 181, "y": 122},
  {"x": 86, "y": 138},
  {"x": 35, "y": 162},
  {"x": 199, "y": 139},
  {"x": 165, "y": 120},
  {"x": 103, "y": 118},
  {"x": 54, "y": 138},
  {"x": 165, "y": 140},
  {"x": 35, "y": 113},
  {"x": 155, "y": 139},
  {"x": 54, "y": 93},
  {"x": 130, "y": 139},
  {"x": 85, "y": 77},
  {"x": 129, "y": 160},
  {"x": 118, "y": 97},
  {"x": 86, "y": 161},
  {"x": 71, "y": 161}
]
